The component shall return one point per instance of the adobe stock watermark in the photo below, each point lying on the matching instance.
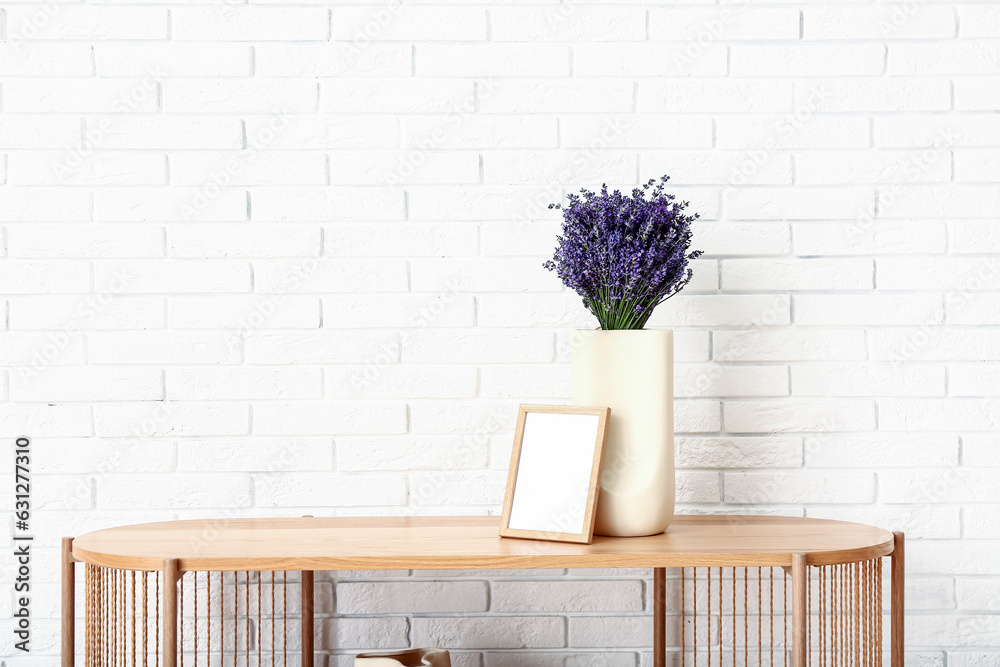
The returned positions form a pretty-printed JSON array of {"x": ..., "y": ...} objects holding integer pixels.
[
  {"x": 424, "y": 317},
  {"x": 416, "y": 157},
  {"x": 87, "y": 311},
  {"x": 372, "y": 29},
  {"x": 224, "y": 176},
  {"x": 609, "y": 133},
  {"x": 126, "y": 104},
  {"x": 279, "y": 464},
  {"x": 901, "y": 14},
  {"x": 913, "y": 169},
  {"x": 31, "y": 26},
  {"x": 928, "y": 334},
  {"x": 484, "y": 88},
  {"x": 784, "y": 130},
  {"x": 264, "y": 307},
  {"x": 466, "y": 449},
  {"x": 148, "y": 427}
]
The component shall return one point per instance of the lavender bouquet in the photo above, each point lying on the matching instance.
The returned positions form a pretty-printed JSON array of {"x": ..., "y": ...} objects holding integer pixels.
[{"x": 624, "y": 255}]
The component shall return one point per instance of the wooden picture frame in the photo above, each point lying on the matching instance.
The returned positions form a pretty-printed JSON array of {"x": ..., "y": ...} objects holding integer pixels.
[{"x": 555, "y": 503}]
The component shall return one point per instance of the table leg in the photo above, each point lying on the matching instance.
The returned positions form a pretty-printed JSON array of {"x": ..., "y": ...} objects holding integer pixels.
[
  {"x": 307, "y": 618},
  {"x": 660, "y": 617},
  {"x": 171, "y": 573},
  {"x": 897, "y": 596},
  {"x": 68, "y": 603},
  {"x": 800, "y": 614}
]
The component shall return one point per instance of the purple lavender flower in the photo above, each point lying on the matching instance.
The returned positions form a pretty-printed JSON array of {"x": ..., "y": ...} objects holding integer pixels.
[{"x": 624, "y": 255}]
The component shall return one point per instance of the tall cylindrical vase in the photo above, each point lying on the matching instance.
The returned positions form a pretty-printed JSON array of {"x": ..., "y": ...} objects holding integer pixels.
[{"x": 632, "y": 372}]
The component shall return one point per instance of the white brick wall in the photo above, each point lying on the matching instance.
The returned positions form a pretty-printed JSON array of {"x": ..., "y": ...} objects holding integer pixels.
[{"x": 278, "y": 258}]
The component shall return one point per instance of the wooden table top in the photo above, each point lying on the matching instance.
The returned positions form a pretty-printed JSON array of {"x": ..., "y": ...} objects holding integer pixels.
[{"x": 433, "y": 543}]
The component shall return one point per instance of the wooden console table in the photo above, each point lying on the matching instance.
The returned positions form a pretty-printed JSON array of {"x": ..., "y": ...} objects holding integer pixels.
[{"x": 834, "y": 569}]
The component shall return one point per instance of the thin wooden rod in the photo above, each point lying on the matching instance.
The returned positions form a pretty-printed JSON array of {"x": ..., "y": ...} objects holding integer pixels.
[
  {"x": 125, "y": 617},
  {"x": 208, "y": 617},
  {"x": 246, "y": 587},
  {"x": 878, "y": 592},
  {"x": 694, "y": 615},
  {"x": 799, "y": 611},
  {"x": 68, "y": 603},
  {"x": 809, "y": 605},
  {"x": 683, "y": 617},
  {"x": 236, "y": 617},
  {"x": 156, "y": 652},
  {"x": 120, "y": 620},
  {"x": 845, "y": 592},
  {"x": 171, "y": 574},
  {"x": 109, "y": 620},
  {"x": 119, "y": 616},
  {"x": 98, "y": 614},
  {"x": 274, "y": 620},
  {"x": 109, "y": 579},
  {"x": 837, "y": 617},
  {"x": 770, "y": 608},
  {"x": 105, "y": 632},
  {"x": 181, "y": 622},
  {"x": 284, "y": 617},
  {"x": 708, "y": 620},
  {"x": 841, "y": 615},
  {"x": 733, "y": 587},
  {"x": 832, "y": 602},
  {"x": 721, "y": 618},
  {"x": 659, "y": 617},
  {"x": 784, "y": 615},
  {"x": 195, "y": 574},
  {"x": 746, "y": 619},
  {"x": 848, "y": 615},
  {"x": 857, "y": 614},
  {"x": 829, "y": 621},
  {"x": 862, "y": 591},
  {"x": 145, "y": 618},
  {"x": 854, "y": 614},
  {"x": 307, "y": 618},
  {"x": 822, "y": 617},
  {"x": 132, "y": 577},
  {"x": 869, "y": 632},
  {"x": 260, "y": 583},
  {"x": 871, "y": 611},
  {"x": 861, "y": 613},
  {"x": 88, "y": 621},
  {"x": 99, "y": 609},
  {"x": 876, "y": 614},
  {"x": 831, "y": 616},
  {"x": 222, "y": 618},
  {"x": 92, "y": 631},
  {"x": 760, "y": 615},
  {"x": 115, "y": 616},
  {"x": 865, "y": 616},
  {"x": 869, "y": 616}
]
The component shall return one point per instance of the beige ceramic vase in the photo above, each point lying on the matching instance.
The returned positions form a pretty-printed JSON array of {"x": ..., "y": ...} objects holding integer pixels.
[
  {"x": 632, "y": 372},
  {"x": 417, "y": 657}
]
